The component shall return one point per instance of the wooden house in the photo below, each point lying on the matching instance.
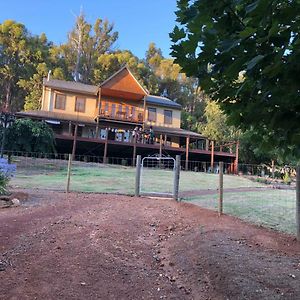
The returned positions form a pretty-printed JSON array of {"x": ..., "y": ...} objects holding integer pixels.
[{"x": 111, "y": 120}]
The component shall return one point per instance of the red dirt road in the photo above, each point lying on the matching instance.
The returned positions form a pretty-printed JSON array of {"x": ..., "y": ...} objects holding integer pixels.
[{"x": 91, "y": 246}]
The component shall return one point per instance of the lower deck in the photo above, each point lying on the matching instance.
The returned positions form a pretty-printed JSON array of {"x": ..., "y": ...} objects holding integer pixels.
[{"x": 110, "y": 149}]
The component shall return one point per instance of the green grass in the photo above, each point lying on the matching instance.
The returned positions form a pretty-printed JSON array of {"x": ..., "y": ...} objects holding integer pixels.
[
  {"x": 117, "y": 179},
  {"x": 272, "y": 208},
  {"x": 84, "y": 179}
]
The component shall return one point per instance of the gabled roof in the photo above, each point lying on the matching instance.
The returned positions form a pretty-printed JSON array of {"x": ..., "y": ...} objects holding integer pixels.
[
  {"x": 71, "y": 86},
  {"x": 162, "y": 101},
  {"x": 109, "y": 84},
  {"x": 117, "y": 77}
]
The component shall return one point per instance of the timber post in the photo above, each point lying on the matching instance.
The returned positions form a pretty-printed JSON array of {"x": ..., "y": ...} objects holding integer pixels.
[
  {"x": 298, "y": 202},
  {"x": 105, "y": 148},
  {"x": 144, "y": 112},
  {"x": 212, "y": 156},
  {"x": 160, "y": 145},
  {"x": 74, "y": 141},
  {"x": 69, "y": 173},
  {"x": 220, "y": 208},
  {"x": 138, "y": 175},
  {"x": 236, "y": 161},
  {"x": 176, "y": 178},
  {"x": 134, "y": 151},
  {"x": 99, "y": 111},
  {"x": 187, "y": 153}
]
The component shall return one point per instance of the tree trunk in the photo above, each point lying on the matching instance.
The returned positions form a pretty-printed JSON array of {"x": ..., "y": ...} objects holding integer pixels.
[
  {"x": 7, "y": 97},
  {"x": 77, "y": 64}
]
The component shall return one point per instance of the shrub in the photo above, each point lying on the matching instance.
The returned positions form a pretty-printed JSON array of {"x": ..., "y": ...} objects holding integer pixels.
[
  {"x": 3, "y": 183},
  {"x": 6, "y": 172}
]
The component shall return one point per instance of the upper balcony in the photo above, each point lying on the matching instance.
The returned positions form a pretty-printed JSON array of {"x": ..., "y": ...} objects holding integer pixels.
[{"x": 127, "y": 113}]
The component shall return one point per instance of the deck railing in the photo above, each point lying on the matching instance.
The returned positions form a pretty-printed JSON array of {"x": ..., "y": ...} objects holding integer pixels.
[{"x": 122, "y": 112}]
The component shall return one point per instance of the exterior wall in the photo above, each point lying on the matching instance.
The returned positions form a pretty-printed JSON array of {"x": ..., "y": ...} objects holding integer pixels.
[
  {"x": 49, "y": 103},
  {"x": 124, "y": 81},
  {"x": 91, "y": 110},
  {"x": 45, "y": 100},
  {"x": 176, "y": 115}
]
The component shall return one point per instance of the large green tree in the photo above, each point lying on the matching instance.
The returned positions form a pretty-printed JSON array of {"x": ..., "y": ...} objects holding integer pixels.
[
  {"x": 246, "y": 56},
  {"x": 29, "y": 136},
  {"x": 85, "y": 44},
  {"x": 214, "y": 125},
  {"x": 42, "y": 60},
  {"x": 14, "y": 63}
]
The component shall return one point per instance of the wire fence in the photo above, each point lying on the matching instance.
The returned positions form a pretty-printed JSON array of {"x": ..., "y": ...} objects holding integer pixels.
[
  {"x": 257, "y": 194},
  {"x": 157, "y": 175},
  {"x": 263, "y": 195}
]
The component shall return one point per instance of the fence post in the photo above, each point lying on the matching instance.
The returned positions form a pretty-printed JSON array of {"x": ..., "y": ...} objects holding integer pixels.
[
  {"x": 69, "y": 173},
  {"x": 298, "y": 202},
  {"x": 221, "y": 188},
  {"x": 138, "y": 176},
  {"x": 176, "y": 178}
]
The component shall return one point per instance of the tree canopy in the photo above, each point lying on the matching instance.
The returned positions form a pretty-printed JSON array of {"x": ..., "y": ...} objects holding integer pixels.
[
  {"x": 29, "y": 136},
  {"x": 246, "y": 56}
]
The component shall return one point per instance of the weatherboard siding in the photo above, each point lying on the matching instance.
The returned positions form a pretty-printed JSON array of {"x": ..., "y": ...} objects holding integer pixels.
[
  {"x": 176, "y": 115},
  {"x": 49, "y": 103}
]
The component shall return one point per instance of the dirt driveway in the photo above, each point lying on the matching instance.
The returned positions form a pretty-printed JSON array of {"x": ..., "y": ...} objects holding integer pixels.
[{"x": 91, "y": 246}]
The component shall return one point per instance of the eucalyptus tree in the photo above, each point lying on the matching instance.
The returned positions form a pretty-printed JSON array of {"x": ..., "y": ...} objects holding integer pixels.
[{"x": 85, "y": 44}]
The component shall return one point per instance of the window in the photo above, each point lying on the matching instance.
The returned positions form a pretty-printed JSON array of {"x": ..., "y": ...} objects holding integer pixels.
[
  {"x": 80, "y": 104},
  {"x": 127, "y": 112},
  {"x": 151, "y": 114},
  {"x": 120, "y": 108},
  {"x": 106, "y": 108},
  {"x": 167, "y": 116},
  {"x": 132, "y": 114},
  {"x": 60, "y": 101},
  {"x": 113, "y": 110}
]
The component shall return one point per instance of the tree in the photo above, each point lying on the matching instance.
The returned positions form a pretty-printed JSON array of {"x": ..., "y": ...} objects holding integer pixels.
[
  {"x": 30, "y": 136},
  {"x": 109, "y": 63},
  {"x": 85, "y": 45},
  {"x": 14, "y": 61},
  {"x": 246, "y": 56},
  {"x": 153, "y": 56},
  {"x": 214, "y": 125},
  {"x": 42, "y": 60}
]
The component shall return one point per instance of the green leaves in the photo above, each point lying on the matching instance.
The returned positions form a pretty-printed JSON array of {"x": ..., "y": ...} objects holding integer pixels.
[
  {"x": 177, "y": 34},
  {"x": 260, "y": 37},
  {"x": 251, "y": 7},
  {"x": 248, "y": 31},
  {"x": 30, "y": 136},
  {"x": 254, "y": 61}
]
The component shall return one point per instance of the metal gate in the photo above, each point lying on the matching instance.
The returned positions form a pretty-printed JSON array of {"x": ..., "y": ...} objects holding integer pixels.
[{"x": 158, "y": 176}]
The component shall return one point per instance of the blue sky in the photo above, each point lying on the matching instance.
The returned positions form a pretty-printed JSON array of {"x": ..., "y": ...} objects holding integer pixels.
[{"x": 138, "y": 22}]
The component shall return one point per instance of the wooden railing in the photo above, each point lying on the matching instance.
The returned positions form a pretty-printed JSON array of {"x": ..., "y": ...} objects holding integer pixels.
[{"x": 123, "y": 113}]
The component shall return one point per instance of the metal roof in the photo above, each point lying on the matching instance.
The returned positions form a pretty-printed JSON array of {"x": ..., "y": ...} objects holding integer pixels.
[
  {"x": 71, "y": 86},
  {"x": 177, "y": 132},
  {"x": 56, "y": 116},
  {"x": 162, "y": 101}
]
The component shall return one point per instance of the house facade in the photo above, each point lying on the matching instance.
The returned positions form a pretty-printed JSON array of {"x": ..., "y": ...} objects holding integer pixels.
[{"x": 120, "y": 118}]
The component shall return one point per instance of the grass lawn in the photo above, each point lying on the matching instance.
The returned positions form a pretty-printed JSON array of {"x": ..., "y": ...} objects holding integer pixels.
[
  {"x": 116, "y": 179},
  {"x": 273, "y": 208}
]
